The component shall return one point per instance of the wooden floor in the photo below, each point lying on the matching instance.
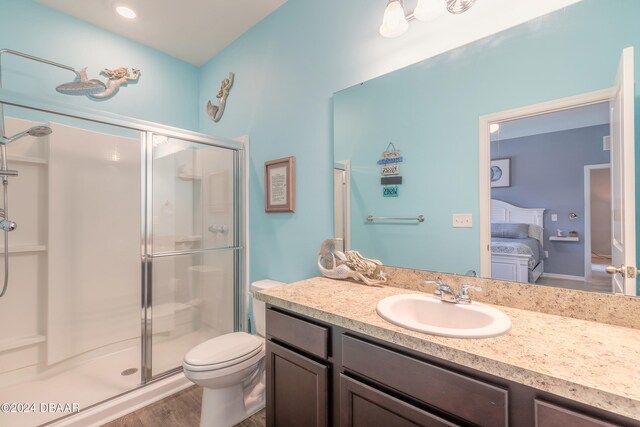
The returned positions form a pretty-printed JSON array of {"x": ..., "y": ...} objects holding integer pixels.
[
  {"x": 600, "y": 280},
  {"x": 179, "y": 410}
]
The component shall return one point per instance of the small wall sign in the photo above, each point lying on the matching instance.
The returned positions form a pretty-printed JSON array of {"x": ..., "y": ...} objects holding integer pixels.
[
  {"x": 390, "y": 171},
  {"x": 388, "y": 180},
  {"x": 390, "y": 160},
  {"x": 390, "y": 191},
  {"x": 393, "y": 169}
]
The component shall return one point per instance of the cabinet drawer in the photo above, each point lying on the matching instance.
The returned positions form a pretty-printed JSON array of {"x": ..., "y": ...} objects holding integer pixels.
[
  {"x": 364, "y": 406},
  {"x": 298, "y": 333},
  {"x": 548, "y": 415},
  {"x": 472, "y": 400}
]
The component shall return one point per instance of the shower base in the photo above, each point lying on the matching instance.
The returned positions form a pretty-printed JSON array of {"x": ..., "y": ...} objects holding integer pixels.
[{"x": 98, "y": 380}]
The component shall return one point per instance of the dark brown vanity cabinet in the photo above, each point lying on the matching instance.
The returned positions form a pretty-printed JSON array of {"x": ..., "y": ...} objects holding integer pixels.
[
  {"x": 463, "y": 398},
  {"x": 324, "y": 375},
  {"x": 297, "y": 372},
  {"x": 297, "y": 391},
  {"x": 548, "y": 415},
  {"x": 365, "y": 406}
]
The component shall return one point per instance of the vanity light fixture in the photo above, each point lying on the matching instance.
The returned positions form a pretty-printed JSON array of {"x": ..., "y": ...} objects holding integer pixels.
[
  {"x": 126, "y": 12},
  {"x": 395, "y": 22}
]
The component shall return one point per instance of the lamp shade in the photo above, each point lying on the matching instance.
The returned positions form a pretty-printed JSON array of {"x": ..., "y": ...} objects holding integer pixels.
[
  {"x": 427, "y": 10},
  {"x": 394, "y": 23}
]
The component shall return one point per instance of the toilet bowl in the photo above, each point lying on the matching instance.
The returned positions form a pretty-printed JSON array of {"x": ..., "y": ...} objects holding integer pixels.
[{"x": 231, "y": 370}]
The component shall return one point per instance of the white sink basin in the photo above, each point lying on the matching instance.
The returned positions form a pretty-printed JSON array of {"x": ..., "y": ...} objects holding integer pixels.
[{"x": 425, "y": 313}]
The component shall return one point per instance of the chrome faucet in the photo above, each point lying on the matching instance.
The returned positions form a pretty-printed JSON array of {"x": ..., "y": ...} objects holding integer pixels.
[{"x": 446, "y": 293}]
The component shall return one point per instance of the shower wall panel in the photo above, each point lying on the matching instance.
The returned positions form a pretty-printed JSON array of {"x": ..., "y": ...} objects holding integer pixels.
[
  {"x": 94, "y": 241},
  {"x": 22, "y": 309}
]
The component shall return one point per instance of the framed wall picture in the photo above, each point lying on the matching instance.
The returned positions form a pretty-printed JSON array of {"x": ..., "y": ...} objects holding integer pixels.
[
  {"x": 280, "y": 185},
  {"x": 501, "y": 173}
]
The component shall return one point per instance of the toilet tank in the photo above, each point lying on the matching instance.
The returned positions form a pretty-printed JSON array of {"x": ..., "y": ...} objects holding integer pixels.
[{"x": 258, "y": 306}]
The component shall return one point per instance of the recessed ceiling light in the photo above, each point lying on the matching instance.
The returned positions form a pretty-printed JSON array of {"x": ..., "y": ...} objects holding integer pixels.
[{"x": 126, "y": 12}]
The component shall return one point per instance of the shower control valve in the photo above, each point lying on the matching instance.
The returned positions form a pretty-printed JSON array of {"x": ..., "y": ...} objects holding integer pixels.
[{"x": 6, "y": 225}]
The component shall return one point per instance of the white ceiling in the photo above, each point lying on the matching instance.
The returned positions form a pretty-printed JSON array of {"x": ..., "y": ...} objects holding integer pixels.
[
  {"x": 574, "y": 118},
  {"x": 191, "y": 30}
]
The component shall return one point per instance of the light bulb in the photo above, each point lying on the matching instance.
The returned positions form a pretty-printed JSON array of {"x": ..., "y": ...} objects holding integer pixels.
[
  {"x": 427, "y": 10},
  {"x": 494, "y": 127},
  {"x": 394, "y": 23},
  {"x": 126, "y": 12}
]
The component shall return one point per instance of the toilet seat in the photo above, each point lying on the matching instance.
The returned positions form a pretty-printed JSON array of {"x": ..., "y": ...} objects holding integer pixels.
[{"x": 223, "y": 351}]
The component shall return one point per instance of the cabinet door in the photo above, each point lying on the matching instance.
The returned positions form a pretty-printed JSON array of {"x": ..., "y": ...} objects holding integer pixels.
[
  {"x": 297, "y": 392},
  {"x": 548, "y": 415},
  {"x": 364, "y": 406}
]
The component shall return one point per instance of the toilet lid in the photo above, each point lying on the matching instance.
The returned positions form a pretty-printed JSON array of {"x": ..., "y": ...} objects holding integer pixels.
[{"x": 225, "y": 350}]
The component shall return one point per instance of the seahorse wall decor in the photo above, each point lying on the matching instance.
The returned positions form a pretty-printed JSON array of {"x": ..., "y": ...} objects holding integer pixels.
[
  {"x": 216, "y": 111},
  {"x": 350, "y": 265},
  {"x": 118, "y": 77}
]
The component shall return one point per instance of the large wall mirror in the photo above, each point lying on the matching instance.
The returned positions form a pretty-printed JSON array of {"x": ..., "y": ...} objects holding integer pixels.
[{"x": 508, "y": 150}]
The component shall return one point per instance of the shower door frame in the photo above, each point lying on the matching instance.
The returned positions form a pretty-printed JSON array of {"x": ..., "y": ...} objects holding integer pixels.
[
  {"x": 240, "y": 185},
  {"x": 148, "y": 254}
]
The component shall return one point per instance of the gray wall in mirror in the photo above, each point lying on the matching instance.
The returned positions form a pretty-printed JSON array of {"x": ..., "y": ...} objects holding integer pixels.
[{"x": 430, "y": 112}]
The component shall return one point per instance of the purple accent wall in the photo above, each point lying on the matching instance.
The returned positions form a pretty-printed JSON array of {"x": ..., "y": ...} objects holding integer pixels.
[{"x": 547, "y": 171}]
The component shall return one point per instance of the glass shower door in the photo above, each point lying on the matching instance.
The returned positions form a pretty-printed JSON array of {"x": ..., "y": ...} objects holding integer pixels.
[{"x": 192, "y": 247}]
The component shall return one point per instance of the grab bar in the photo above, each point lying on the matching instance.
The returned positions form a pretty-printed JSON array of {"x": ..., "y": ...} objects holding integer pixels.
[{"x": 370, "y": 218}]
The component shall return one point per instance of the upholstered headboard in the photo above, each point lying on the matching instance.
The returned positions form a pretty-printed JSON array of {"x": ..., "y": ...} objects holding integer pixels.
[{"x": 505, "y": 212}]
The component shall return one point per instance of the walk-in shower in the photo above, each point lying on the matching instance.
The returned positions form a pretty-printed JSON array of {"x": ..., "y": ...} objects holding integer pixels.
[{"x": 107, "y": 308}]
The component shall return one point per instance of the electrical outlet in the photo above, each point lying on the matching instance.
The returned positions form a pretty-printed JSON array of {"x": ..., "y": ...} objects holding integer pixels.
[
  {"x": 546, "y": 254},
  {"x": 462, "y": 220},
  {"x": 554, "y": 217}
]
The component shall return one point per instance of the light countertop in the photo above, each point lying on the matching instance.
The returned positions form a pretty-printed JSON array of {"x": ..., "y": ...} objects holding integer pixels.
[{"x": 593, "y": 363}]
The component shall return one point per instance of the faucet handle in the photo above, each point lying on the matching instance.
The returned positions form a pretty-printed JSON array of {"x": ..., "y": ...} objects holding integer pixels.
[
  {"x": 464, "y": 291},
  {"x": 439, "y": 286},
  {"x": 437, "y": 282}
]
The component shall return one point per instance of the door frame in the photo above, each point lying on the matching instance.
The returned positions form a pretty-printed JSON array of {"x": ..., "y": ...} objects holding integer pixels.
[
  {"x": 344, "y": 167},
  {"x": 589, "y": 98},
  {"x": 587, "y": 216}
]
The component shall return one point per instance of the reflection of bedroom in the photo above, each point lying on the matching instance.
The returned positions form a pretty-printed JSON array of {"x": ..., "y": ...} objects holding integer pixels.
[{"x": 552, "y": 170}]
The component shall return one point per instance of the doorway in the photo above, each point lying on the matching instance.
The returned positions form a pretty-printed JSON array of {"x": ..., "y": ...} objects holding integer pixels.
[
  {"x": 597, "y": 205},
  {"x": 541, "y": 153}
]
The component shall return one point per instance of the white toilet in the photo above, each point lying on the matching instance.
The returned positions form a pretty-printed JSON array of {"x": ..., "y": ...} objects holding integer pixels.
[{"x": 231, "y": 369}]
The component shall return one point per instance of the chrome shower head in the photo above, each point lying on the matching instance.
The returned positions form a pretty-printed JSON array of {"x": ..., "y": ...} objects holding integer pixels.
[
  {"x": 35, "y": 131},
  {"x": 38, "y": 131},
  {"x": 82, "y": 88}
]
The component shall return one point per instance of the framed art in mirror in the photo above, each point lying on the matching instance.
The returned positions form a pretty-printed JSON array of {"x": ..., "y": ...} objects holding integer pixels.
[{"x": 501, "y": 172}]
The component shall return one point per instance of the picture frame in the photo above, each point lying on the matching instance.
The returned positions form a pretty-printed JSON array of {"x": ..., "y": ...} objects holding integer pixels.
[
  {"x": 500, "y": 173},
  {"x": 280, "y": 185}
]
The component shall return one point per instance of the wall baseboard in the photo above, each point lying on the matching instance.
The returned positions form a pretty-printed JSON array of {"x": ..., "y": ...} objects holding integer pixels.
[{"x": 563, "y": 276}]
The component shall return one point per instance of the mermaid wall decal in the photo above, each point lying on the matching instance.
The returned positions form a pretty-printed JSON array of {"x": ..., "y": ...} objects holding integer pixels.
[
  {"x": 117, "y": 78},
  {"x": 216, "y": 111}
]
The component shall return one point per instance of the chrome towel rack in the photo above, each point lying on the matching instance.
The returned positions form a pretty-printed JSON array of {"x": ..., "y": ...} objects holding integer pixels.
[{"x": 370, "y": 218}]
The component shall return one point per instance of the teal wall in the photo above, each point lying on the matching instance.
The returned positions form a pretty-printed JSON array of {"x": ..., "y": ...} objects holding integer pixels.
[
  {"x": 288, "y": 67},
  {"x": 166, "y": 93}
]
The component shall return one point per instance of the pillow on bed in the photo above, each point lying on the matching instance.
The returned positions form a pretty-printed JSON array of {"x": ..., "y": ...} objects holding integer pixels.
[
  {"x": 535, "y": 231},
  {"x": 510, "y": 230}
]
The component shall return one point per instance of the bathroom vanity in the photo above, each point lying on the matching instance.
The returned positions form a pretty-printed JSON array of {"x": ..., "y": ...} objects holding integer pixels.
[{"x": 331, "y": 360}]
